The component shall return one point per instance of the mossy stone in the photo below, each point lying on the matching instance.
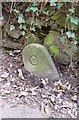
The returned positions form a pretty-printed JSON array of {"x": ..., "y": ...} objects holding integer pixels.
[
  {"x": 32, "y": 39},
  {"x": 37, "y": 60},
  {"x": 62, "y": 50},
  {"x": 16, "y": 33},
  {"x": 55, "y": 50},
  {"x": 51, "y": 38},
  {"x": 56, "y": 16},
  {"x": 63, "y": 22}
]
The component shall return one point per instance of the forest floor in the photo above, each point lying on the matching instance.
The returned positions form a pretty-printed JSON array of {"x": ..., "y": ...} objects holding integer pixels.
[{"x": 23, "y": 95}]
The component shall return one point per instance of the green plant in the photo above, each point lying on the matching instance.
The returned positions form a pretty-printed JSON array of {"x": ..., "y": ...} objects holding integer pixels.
[
  {"x": 74, "y": 20},
  {"x": 36, "y": 11}
]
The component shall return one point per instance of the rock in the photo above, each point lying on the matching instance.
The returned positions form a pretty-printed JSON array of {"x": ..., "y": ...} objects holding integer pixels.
[
  {"x": 56, "y": 16},
  {"x": 13, "y": 33},
  {"x": 12, "y": 44},
  {"x": 61, "y": 19},
  {"x": 63, "y": 51},
  {"x": 38, "y": 61},
  {"x": 32, "y": 39},
  {"x": 51, "y": 38}
]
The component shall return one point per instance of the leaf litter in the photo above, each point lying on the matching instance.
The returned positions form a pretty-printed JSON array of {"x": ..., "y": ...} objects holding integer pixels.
[{"x": 52, "y": 98}]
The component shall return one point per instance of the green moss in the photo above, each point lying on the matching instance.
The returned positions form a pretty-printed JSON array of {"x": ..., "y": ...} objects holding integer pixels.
[
  {"x": 51, "y": 38},
  {"x": 55, "y": 50},
  {"x": 56, "y": 16}
]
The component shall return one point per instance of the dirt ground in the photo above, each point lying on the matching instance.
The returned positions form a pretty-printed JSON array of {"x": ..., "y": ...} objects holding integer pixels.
[{"x": 23, "y": 95}]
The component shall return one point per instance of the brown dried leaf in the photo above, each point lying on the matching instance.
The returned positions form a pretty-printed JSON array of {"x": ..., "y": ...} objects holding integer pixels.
[
  {"x": 4, "y": 75},
  {"x": 11, "y": 53},
  {"x": 64, "y": 87},
  {"x": 53, "y": 99},
  {"x": 32, "y": 90},
  {"x": 5, "y": 92},
  {"x": 47, "y": 111},
  {"x": 21, "y": 74},
  {"x": 45, "y": 81},
  {"x": 42, "y": 108},
  {"x": 23, "y": 93},
  {"x": 74, "y": 97},
  {"x": 16, "y": 51}
]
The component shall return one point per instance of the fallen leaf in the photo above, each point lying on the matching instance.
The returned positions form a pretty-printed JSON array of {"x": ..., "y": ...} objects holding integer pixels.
[
  {"x": 44, "y": 81},
  {"x": 1, "y": 79},
  {"x": 53, "y": 99},
  {"x": 64, "y": 87},
  {"x": 67, "y": 104},
  {"x": 4, "y": 75},
  {"x": 58, "y": 83},
  {"x": 71, "y": 114},
  {"x": 12, "y": 79},
  {"x": 11, "y": 53},
  {"x": 5, "y": 92},
  {"x": 42, "y": 108},
  {"x": 16, "y": 51},
  {"x": 43, "y": 96},
  {"x": 23, "y": 93},
  {"x": 47, "y": 111},
  {"x": 32, "y": 90},
  {"x": 14, "y": 86},
  {"x": 11, "y": 65},
  {"x": 74, "y": 98},
  {"x": 56, "y": 107},
  {"x": 52, "y": 105},
  {"x": 68, "y": 87},
  {"x": 21, "y": 74}
]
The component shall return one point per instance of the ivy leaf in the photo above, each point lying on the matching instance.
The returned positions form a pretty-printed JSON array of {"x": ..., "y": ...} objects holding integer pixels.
[
  {"x": 27, "y": 9},
  {"x": 46, "y": 12},
  {"x": 34, "y": 9},
  {"x": 52, "y": 3},
  {"x": 20, "y": 27},
  {"x": 21, "y": 19},
  {"x": 75, "y": 21},
  {"x": 24, "y": 27},
  {"x": 59, "y": 5},
  {"x": 63, "y": 39},
  {"x": 32, "y": 28},
  {"x": 70, "y": 34},
  {"x": 69, "y": 17},
  {"x": 72, "y": 10},
  {"x": 23, "y": 33},
  {"x": 12, "y": 27},
  {"x": 74, "y": 42},
  {"x": 17, "y": 11},
  {"x": 34, "y": 4}
]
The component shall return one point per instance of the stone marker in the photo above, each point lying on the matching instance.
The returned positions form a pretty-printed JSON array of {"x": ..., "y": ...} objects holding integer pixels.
[{"x": 38, "y": 61}]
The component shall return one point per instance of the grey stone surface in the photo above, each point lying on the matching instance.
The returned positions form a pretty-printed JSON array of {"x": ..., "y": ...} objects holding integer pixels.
[{"x": 38, "y": 61}]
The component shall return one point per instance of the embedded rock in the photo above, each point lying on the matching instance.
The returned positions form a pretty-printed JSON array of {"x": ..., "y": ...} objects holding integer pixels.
[
  {"x": 63, "y": 51},
  {"x": 38, "y": 61},
  {"x": 32, "y": 39},
  {"x": 61, "y": 19},
  {"x": 16, "y": 33}
]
